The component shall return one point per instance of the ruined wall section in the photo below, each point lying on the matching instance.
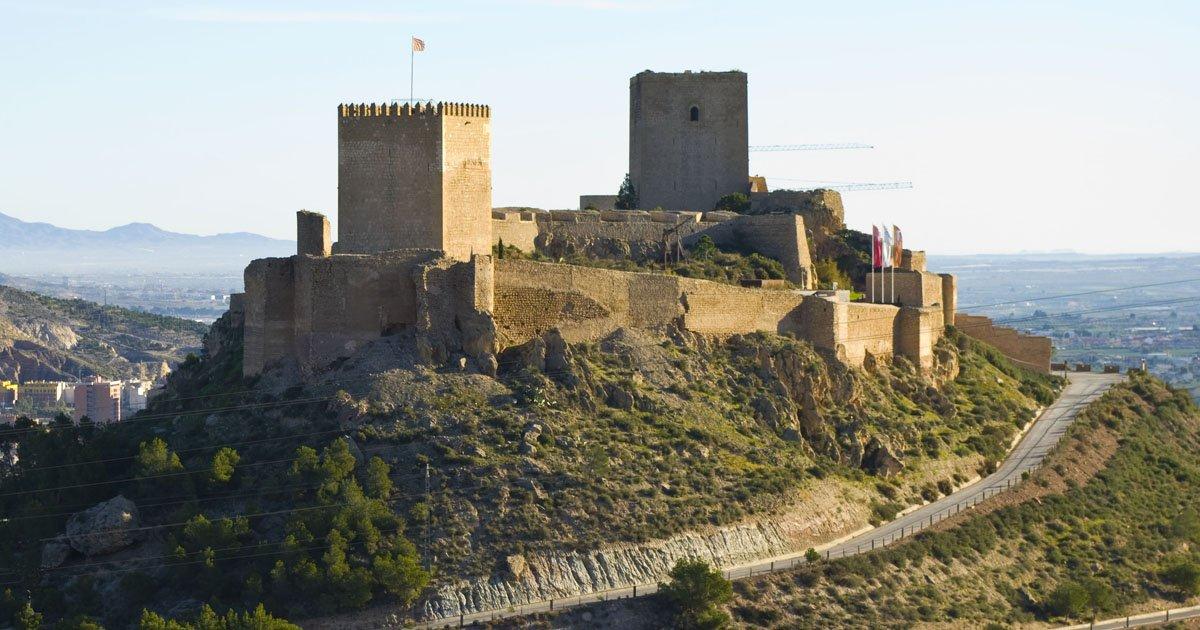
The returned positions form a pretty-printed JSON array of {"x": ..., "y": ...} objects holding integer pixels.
[
  {"x": 1030, "y": 351},
  {"x": 680, "y": 163},
  {"x": 822, "y": 209},
  {"x": 312, "y": 234},
  {"x": 269, "y": 317},
  {"x": 780, "y": 236}
]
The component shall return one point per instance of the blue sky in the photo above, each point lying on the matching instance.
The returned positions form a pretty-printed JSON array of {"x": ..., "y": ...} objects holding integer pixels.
[{"x": 1023, "y": 125}]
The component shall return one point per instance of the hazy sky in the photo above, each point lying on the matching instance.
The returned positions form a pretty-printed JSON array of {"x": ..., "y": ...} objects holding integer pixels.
[{"x": 1023, "y": 125}]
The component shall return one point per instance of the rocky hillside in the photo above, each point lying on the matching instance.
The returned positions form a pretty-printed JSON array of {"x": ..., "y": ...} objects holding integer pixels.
[
  {"x": 44, "y": 338},
  {"x": 1108, "y": 525},
  {"x": 578, "y": 467}
]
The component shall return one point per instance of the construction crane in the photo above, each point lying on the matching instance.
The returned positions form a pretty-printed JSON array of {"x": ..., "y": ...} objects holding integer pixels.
[
  {"x": 811, "y": 147},
  {"x": 844, "y": 186}
]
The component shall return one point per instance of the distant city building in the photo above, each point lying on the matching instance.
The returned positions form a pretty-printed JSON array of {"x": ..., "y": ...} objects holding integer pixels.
[
  {"x": 44, "y": 394},
  {"x": 99, "y": 400},
  {"x": 133, "y": 396},
  {"x": 8, "y": 393}
]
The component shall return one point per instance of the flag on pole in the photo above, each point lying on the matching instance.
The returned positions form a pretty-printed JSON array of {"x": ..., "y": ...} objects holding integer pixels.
[
  {"x": 876, "y": 248},
  {"x": 897, "y": 245},
  {"x": 887, "y": 247},
  {"x": 418, "y": 45}
]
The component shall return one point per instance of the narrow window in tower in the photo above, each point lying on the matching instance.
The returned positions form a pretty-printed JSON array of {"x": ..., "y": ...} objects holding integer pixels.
[{"x": 695, "y": 114}]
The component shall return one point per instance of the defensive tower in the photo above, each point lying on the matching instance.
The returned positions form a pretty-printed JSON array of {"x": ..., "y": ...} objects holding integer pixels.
[
  {"x": 414, "y": 177},
  {"x": 688, "y": 138}
]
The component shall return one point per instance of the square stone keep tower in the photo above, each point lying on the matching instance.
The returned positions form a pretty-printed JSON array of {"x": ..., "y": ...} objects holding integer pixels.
[
  {"x": 414, "y": 177},
  {"x": 688, "y": 138}
]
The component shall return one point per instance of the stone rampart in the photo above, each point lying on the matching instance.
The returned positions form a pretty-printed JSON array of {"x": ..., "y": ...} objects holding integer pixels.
[
  {"x": 597, "y": 202},
  {"x": 587, "y": 303},
  {"x": 868, "y": 329},
  {"x": 513, "y": 228},
  {"x": 1027, "y": 350},
  {"x": 779, "y": 236},
  {"x": 315, "y": 310},
  {"x": 906, "y": 288},
  {"x": 639, "y": 235},
  {"x": 269, "y": 318},
  {"x": 822, "y": 209}
]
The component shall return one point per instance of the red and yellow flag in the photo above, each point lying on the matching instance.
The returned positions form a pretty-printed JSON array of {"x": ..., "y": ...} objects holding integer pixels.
[
  {"x": 897, "y": 245},
  {"x": 418, "y": 45}
]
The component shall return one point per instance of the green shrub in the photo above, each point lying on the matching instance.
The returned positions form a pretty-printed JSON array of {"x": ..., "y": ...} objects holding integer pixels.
[
  {"x": 733, "y": 202},
  {"x": 1184, "y": 576},
  {"x": 695, "y": 590}
]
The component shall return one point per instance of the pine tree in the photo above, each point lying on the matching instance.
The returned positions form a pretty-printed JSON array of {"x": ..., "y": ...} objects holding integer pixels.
[{"x": 627, "y": 197}]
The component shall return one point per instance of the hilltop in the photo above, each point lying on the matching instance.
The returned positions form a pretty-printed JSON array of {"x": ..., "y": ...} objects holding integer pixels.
[
  {"x": 41, "y": 248},
  {"x": 45, "y": 338}
]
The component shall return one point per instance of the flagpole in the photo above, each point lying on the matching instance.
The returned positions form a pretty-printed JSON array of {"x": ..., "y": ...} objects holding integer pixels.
[
  {"x": 894, "y": 252},
  {"x": 412, "y": 55},
  {"x": 871, "y": 281}
]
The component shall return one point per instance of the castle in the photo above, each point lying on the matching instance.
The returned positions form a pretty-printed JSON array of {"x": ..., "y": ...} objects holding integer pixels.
[{"x": 416, "y": 235}]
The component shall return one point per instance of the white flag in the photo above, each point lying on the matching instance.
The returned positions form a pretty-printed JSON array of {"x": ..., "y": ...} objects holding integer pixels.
[{"x": 887, "y": 246}]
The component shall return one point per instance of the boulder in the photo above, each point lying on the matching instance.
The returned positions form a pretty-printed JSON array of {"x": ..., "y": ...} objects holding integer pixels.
[
  {"x": 618, "y": 397},
  {"x": 55, "y": 553},
  {"x": 105, "y": 528},
  {"x": 516, "y": 566},
  {"x": 879, "y": 459}
]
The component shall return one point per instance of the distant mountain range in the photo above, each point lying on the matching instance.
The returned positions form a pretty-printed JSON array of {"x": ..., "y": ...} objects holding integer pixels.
[{"x": 37, "y": 248}]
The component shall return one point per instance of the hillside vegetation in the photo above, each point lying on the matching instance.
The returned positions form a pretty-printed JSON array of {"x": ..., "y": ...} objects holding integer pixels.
[
  {"x": 375, "y": 481},
  {"x": 45, "y": 338},
  {"x": 1108, "y": 526}
]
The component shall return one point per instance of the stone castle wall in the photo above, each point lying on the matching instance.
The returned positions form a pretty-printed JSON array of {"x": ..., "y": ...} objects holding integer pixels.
[
  {"x": 1027, "y": 350},
  {"x": 466, "y": 181},
  {"x": 587, "y": 303},
  {"x": 911, "y": 288},
  {"x": 638, "y": 235},
  {"x": 779, "y": 236},
  {"x": 682, "y": 164},
  {"x": 312, "y": 234},
  {"x": 316, "y": 309},
  {"x": 414, "y": 178}
]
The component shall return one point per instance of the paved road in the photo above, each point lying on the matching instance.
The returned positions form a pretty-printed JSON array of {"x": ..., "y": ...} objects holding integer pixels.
[
  {"x": 1141, "y": 621},
  {"x": 1041, "y": 437}
]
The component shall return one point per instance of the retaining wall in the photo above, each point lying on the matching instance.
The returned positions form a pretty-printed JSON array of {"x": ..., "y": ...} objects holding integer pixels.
[{"x": 1028, "y": 350}]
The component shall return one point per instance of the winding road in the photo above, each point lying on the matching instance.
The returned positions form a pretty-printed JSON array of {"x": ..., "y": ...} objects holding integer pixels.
[{"x": 1039, "y": 439}]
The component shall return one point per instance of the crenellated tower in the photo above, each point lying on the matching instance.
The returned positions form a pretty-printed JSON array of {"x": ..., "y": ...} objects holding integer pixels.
[
  {"x": 414, "y": 177},
  {"x": 688, "y": 135}
]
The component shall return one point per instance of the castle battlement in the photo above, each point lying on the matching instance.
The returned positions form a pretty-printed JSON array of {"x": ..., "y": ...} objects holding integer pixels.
[{"x": 373, "y": 110}]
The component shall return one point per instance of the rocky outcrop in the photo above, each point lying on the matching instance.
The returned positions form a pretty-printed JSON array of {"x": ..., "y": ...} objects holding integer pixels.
[
  {"x": 55, "y": 553},
  {"x": 878, "y": 459},
  {"x": 560, "y": 575},
  {"x": 105, "y": 528}
]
